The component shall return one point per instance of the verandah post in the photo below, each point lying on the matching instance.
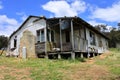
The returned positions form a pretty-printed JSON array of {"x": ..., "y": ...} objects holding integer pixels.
[
  {"x": 72, "y": 39},
  {"x": 46, "y": 54},
  {"x": 59, "y": 56}
]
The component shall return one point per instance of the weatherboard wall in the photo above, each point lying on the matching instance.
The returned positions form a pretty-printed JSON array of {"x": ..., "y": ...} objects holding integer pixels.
[
  {"x": 97, "y": 37},
  {"x": 30, "y": 26}
]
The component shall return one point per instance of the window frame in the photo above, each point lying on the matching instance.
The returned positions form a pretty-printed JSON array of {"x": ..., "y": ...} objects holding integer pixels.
[
  {"x": 92, "y": 38},
  {"x": 49, "y": 35},
  {"x": 38, "y": 32}
]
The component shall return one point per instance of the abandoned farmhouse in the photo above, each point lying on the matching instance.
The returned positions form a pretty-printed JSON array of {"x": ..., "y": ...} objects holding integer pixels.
[{"x": 43, "y": 37}]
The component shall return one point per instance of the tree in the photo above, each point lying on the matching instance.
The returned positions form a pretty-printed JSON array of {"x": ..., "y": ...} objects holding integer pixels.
[
  {"x": 118, "y": 26},
  {"x": 114, "y": 36},
  {"x": 101, "y": 27},
  {"x": 3, "y": 41}
]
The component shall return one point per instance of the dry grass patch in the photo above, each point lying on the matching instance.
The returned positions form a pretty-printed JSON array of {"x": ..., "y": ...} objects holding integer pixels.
[
  {"x": 103, "y": 67},
  {"x": 87, "y": 72},
  {"x": 10, "y": 73}
]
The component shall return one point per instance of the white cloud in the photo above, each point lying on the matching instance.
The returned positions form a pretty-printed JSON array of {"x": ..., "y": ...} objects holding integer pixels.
[
  {"x": 78, "y": 6},
  {"x": 23, "y": 15},
  {"x": 63, "y": 8},
  {"x": 93, "y": 22},
  {"x": 7, "y": 25},
  {"x": 110, "y": 14}
]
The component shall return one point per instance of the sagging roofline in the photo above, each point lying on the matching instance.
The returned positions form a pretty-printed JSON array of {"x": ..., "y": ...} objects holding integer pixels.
[{"x": 57, "y": 18}]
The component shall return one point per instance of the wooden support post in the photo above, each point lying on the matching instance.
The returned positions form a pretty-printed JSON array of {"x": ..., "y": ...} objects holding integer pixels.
[
  {"x": 81, "y": 55},
  {"x": 88, "y": 55},
  {"x": 45, "y": 35},
  {"x": 72, "y": 36},
  {"x": 60, "y": 36},
  {"x": 72, "y": 39},
  {"x": 59, "y": 56},
  {"x": 73, "y": 55}
]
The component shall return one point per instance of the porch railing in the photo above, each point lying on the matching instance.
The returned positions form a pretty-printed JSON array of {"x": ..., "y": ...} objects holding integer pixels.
[
  {"x": 40, "y": 47},
  {"x": 80, "y": 45}
]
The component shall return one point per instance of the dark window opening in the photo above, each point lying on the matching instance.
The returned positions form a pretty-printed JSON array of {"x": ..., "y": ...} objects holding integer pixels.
[
  {"x": 48, "y": 35},
  {"x": 67, "y": 35},
  {"x": 52, "y": 36},
  {"x": 92, "y": 38},
  {"x": 15, "y": 43}
]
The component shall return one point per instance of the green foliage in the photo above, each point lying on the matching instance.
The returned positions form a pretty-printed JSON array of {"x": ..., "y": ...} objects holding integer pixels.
[
  {"x": 101, "y": 28},
  {"x": 114, "y": 38},
  {"x": 81, "y": 59},
  {"x": 3, "y": 41}
]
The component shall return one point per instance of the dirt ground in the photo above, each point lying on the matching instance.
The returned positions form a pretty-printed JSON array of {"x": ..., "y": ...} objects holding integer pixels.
[
  {"x": 87, "y": 72},
  {"x": 8, "y": 73},
  {"x": 91, "y": 72}
]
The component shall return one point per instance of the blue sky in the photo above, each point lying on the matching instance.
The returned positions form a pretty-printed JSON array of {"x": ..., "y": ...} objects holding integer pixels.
[{"x": 14, "y": 12}]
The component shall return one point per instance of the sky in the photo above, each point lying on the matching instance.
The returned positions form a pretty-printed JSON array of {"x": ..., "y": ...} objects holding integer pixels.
[{"x": 14, "y": 12}]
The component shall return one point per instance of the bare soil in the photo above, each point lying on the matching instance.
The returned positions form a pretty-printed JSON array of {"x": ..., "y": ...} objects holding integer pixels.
[{"x": 14, "y": 73}]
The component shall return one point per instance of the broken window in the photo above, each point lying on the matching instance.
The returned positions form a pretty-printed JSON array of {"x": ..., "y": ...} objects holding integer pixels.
[
  {"x": 40, "y": 35},
  {"x": 92, "y": 38}
]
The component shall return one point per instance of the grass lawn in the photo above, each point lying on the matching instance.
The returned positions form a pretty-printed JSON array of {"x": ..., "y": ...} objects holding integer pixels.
[{"x": 103, "y": 67}]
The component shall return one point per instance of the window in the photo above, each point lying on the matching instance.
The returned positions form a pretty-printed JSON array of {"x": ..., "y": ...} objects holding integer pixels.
[
  {"x": 100, "y": 42},
  {"x": 67, "y": 35},
  {"x": 15, "y": 42},
  {"x": 92, "y": 38},
  {"x": 40, "y": 35}
]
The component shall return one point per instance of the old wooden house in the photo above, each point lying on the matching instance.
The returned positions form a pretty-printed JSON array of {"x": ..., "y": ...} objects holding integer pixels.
[{"x": 42, "y": 37}]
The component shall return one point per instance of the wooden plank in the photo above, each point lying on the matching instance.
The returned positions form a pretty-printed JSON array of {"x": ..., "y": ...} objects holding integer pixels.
[
  {"x": 60, "y": 35},
  {"x": 45, "y": 30},
  {"x": 72, "y": 38}
]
